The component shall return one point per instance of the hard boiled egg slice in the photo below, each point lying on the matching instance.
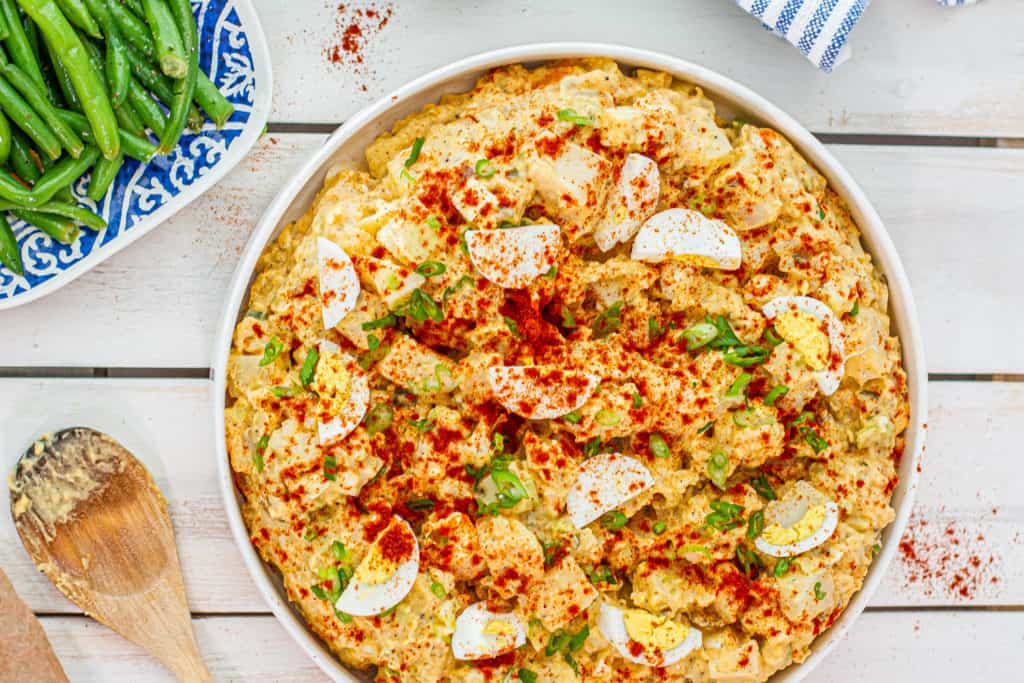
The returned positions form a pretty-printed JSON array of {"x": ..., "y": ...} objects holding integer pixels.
[
  {"x": 645, "y": 638},
  {"x": 339, "y": 283},
  {"x": 632, "y": 201},
  {"x": 344, "y": 392},
  {"x": 814, "y": 331},
  {"x": 514, "y": 257},
  {"x": 540, "y": 392},
  {"x": 482, "y": 634},
  {"x": 687, "y": 235},
  {"x": 386, "y": 574},
  {"x": 604, "y": 482},
  {"x": 803, "y": 519}
]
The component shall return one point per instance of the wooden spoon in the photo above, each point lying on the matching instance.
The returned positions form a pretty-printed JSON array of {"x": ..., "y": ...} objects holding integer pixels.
[{"x": 94, "y": 522}]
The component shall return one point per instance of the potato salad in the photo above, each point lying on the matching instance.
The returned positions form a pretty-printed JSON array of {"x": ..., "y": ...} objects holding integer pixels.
[{"x": 573, "y": 381}]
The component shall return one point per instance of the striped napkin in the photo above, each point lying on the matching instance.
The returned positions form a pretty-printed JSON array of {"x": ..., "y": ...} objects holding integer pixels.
[{"x": 818, "y": 28}]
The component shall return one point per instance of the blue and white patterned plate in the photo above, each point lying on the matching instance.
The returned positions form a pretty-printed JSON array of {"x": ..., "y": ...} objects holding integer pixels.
[{"x": 234, "y": 53}]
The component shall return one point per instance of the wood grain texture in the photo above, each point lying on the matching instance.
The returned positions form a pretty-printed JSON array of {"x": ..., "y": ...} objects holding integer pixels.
[
  {"x": 953, "y": 213},
  {"x": 927, "y": 646},
  {"x": 917, "y": 68},
  {"x": 968, "y": 482}
]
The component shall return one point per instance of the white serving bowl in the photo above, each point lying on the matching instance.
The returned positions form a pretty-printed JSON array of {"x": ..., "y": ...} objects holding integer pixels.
[{"x": 347, "y": 144}]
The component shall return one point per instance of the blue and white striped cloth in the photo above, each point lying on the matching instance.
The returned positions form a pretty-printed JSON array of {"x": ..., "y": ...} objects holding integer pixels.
[{"x": 818, "y": 28}]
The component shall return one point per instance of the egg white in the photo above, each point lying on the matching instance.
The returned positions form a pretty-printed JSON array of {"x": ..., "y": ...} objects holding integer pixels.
[
  {"x": 604, "y": 482},
  {"x": 339, "y": 283},
  {"x": 514, "y": 257},
  {"x": 363, "y": 599},
  {"x": 469, "y": 641},
  {"x": 543, "y": 397},
  {"x": 829, "y": 378},
  {"x": 633, "y": 200},
  {"x": 612, "y": 624},
  {"x": 675, "y": 233},
  {"x": 341, "y": 425}
]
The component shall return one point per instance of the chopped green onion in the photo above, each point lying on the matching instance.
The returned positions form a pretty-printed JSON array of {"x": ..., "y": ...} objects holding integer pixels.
[
  {"x": 431, "y": 268},
  {"x": 763, "y": 487},
  {"x": 272, "y": 349},
  {"x": 571, "y": 116},
  {"x": 552, "y": 273},
  {"x": 608, "y": 321},
  {"x": 614, "y": 520},
  {"x": 574, "y": 417},
  {"x": 718, "y": 468},
  {"x": 423, "y": 425},
  {"x": 659, "y": 448},
  {"x": 725, "y": 516},
  {"x": 433, "y": 223},
  {"x": 387, "y": 321},
  {"x": 257, "y": 315},
  {"x": 740, "y": 385},
  {"x": 600, "y": 574},
  {"x": 776, "y": 393},
  {"x": 750, "y": 560},
  {"x": 592, "y": 447},
  {"x": 771, "y": 337},
  {"x": 379, "y": 418},
  {"x": 372, "y": 342},
  {"x": 802, "y": 417},
  {"x": 319, "y": 592},
  {"x": 818, "y": 593},
  {"x": 437, "y": 589},
  {"x": 513, "y": 327},
  {"x": 707, "y": 427},
  {"x": 527, "y": 676},
  {"x": 855, "y": 310},
  {"x": 659, "y": 528},
  {"x": 694, "y": 548},
  {"x": 414, "y": 153},
  {"x": 419, "y": 504},
  {"x": 755, "y": 524},
  {"x": 568, "y": 321},
  {"x": 741, "y": 418},
  {"x": 308, "y": 371},
  {"x": 607, "y": 418},
  {"x": 576, "y": 642},
  {"x": 339, "y": 551},
  {"x": 557, "y": 642},
  {"x": 330, "y": 468},
  {"x": 811, "y": 437},
  {"x": 451, "y": 289},
  {"x": 638, "y": 400},
  {"x": 699, "y": 335},
  {"x": 821, "y": 214},
  {"x": 781, "y": 567},
  {"x": 311, "y": 534},
  {"x": 745, "y": 356},
  {"x": 406, "y": 176},
  {"x": 419, "y": 306},
  {"x": 654, "y": 329},
  {"x": 283, "y": 391},
  {"x": 484, "y": 168},
  {"x": 261, "y": 445},
  {"x": 876, "y": 548},
  {"x": 343, "y": 617}
]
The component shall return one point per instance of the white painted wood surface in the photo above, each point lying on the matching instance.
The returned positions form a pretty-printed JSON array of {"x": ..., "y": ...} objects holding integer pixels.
[
  {"x": 917, "y": 67},
  {"x": 953, "y": 213},
  {"x": 167, "y": 424}
]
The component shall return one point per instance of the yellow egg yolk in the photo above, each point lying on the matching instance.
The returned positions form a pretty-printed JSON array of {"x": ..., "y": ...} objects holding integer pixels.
[
  {"x": 375, "y": 569},
  {"x": 698, "y": 260},
  {"x": 653, "y": 631},
  {"x": 802, "y": 330},
  {"x": 776, "y": 534},
  {"x": 502, "y": 630},
  {"x": 333, "y": 382}
]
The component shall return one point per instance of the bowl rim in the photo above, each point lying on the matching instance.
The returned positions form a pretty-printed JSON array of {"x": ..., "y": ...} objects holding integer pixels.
[
  {"x": 252, "y": 131},
  {"x": 874, "y": 235}
]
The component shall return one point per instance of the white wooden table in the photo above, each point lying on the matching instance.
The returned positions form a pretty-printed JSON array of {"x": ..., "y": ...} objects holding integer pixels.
[{"x": 928, "y": 116}]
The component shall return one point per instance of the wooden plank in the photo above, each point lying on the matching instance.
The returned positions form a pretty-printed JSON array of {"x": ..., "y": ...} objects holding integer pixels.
[
  {"x": 888, "y": 87},
  {"x": 952, "y": 212},
  {"x": 884, "y": 647},
  {"x": 968, "y": 481}
]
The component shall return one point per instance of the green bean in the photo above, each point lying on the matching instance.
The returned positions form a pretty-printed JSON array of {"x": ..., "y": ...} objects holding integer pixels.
[
  {"x": 5, "y": 139},
  {"x": 25, "y": 118},
  {"x": 147, "y": 108},
  {"x": 103, "y": 175},
  {"x": 161, "y": 86},
  {"x": 169, "y": 48},
  {"x": 5, "y": 31},
  {"x": 18, "y": 43},
  {"x": 76, "y": 213},
  {"x": 115, "y": 61},
  {"x": 76, "y": 12},
  {"x": 60, "y": 229},
  {"x": 133, "y": 5},
  {"x": 86, "y": 80},
  {"x": 184, "y": 88},
  {"x": 53, "y": 91},
  {"x": 126, "y": 116},
  {"x": 67, "y": 90},
  {"x": 62, "y": 174},
  {"x": 133, "y": 145},
  {"x": 213, "y": 102},
  {"x": 10, "y": 255},
  {"x": 38, "y": 100},
  {"x": 22, "y": 161}
]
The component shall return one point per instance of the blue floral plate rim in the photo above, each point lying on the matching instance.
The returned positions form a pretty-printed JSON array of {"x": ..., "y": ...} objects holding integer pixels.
[{"x": 251, "y": 131}]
